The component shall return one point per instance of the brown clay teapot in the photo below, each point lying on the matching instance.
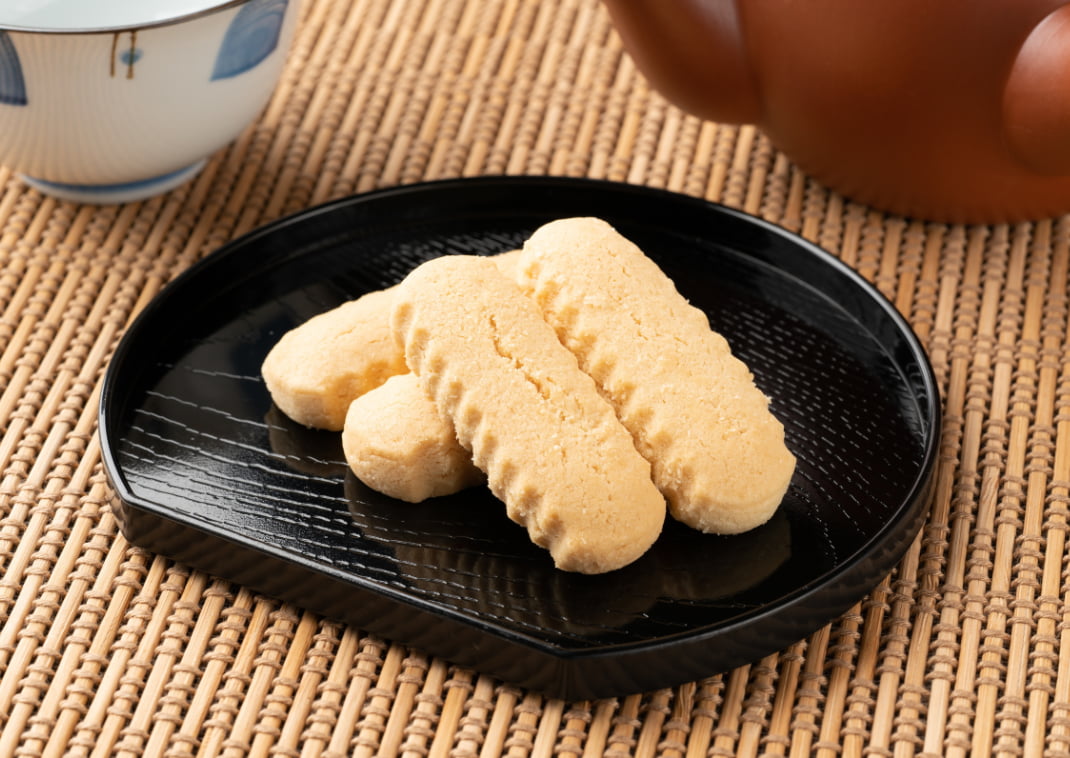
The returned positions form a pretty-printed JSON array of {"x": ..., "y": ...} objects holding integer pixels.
[{"x": 952, "y": 110}]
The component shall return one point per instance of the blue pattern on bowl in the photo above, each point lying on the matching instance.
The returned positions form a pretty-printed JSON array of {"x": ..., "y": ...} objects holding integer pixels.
[
  {"x": 131, "y": 56},
  {"x": 12, "y": 83},
  {"x": 251, "y": 37}
]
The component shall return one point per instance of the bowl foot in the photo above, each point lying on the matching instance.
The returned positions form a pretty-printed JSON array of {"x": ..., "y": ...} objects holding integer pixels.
[{"x": 123, "y": 192}]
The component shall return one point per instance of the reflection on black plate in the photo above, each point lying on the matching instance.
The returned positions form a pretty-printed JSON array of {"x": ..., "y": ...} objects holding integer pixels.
[{"x": 209, "y": 473}]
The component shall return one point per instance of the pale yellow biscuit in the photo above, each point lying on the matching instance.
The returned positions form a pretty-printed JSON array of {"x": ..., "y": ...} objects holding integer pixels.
[
  {"x": 551, "y": 446},
  {"x": 397, "y": 443},
  {"x": 317, "y": 369},
  {"x": 717, "y": 452}
]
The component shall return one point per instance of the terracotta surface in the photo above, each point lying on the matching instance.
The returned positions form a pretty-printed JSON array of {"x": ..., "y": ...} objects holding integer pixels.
[{"x": 955, "y": 110}]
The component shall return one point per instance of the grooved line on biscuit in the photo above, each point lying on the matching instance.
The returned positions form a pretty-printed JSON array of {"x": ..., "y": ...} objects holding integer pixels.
[{"x": 540, "y": 384}]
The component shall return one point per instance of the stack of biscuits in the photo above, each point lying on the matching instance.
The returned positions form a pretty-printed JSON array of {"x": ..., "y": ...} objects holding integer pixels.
[{"x": 570, "y": 376}]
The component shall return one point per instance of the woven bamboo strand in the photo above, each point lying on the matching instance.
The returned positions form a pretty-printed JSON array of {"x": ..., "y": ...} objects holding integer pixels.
[
  {"x": 403, "y": 725},
  {"x": 934, "y": 317},
  {"x": 173, "y": 701},
  {"x": 1000, "y": 511},
  {"x": 572, "y": 144},
  {"x": 557, "y": 78},
  {"x": 505, "y": 702},
  {"x": 362, "y": 674},
  {"x": 236, "y": 652},
  {"x": 859, "y": 700},
  {"x": 1045, "y": 651},
  {"x": 27, "y": 298},
  {"x": 16, "y": 244},
  {"x": 377, "y": 709},
  {"x": 87, "y": 424},
  {"x": 314, "y": 671},
  {"x": 777, "y": 739},
  {"x": 475, "y": 723},
  {"x": 32, "y": 685},
  {"x": 1033, "y": 476},
  {"x": 36, "y": 433},
  {"x": 140, "y": 577},
  {"x": 287, "y": 694},
  {"x": 89, "y": 644},
  {"x": 319, "y": 119},
  {"x": 883, "y": 732},
  {"x": 944, "y": 326},
  {"x": 945, "y": 645},
  {"x": 138, "y": 639},
  {"x": 93, "y": 404},
  {"x": 1056, "y": 724},
  {"x": 137, "y": 731},
  {"x": 441, "y": 58},
  {"x": 432, "y": 728},
  {"x": 283, "y": 646},
  {"x": 348, "y": 101}
]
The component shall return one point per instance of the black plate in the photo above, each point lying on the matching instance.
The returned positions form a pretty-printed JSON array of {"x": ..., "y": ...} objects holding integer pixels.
[{"x": 208, "y": 473}]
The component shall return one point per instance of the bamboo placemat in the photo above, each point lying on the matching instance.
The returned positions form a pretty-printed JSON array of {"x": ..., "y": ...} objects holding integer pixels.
[{"x": 108, "y": 650}]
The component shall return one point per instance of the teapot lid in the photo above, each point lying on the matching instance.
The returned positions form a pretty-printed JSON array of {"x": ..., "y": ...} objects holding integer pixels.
[{"x": 100, "y": 15}]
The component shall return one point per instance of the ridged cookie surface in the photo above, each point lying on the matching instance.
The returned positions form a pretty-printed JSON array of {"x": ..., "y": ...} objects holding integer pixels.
[
  {"x": 551, "y": 446},
  {"x": 716, "y": 451},
  {"x": 397, "y": 443},
  {"x": 319, "y": 367}
]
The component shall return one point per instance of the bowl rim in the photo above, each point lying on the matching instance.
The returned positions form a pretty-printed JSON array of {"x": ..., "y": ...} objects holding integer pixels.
[{"x": 213, "y": 6}]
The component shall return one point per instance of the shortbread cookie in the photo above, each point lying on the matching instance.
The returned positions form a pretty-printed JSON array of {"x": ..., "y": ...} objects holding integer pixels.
[
  {"x": 397, "y": 443},
  {"x": 318, "y": 368},
  {"x": 551, "y": 446},
  {"x": 717, "y": 452}
]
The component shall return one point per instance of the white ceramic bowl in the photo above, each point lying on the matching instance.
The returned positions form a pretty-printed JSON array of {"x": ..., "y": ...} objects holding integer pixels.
[{"x": 109, "y": 101}]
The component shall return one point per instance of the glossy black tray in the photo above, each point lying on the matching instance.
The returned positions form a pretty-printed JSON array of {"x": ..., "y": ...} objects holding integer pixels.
[{"x": 208, "y": 473}]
